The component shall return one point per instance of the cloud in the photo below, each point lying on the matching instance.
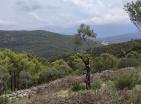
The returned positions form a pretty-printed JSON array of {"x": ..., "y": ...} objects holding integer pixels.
[
  {"x": 62, "y": 13},
  {"x": 36, "y": 16},
  {"x": 102, "y": 11},
  {"x": 108, "y": 19},
  {"x": 6, "y": 22},
  {"x": 28, "y": 5}
]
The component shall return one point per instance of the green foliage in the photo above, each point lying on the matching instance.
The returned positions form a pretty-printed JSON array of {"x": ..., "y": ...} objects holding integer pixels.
[
  {"x": 119, "y": 50},
  {"x": 127, "y": 53},
  {"x": 84, "y": 34},
  {"x": 126, "y": 79},
  {"x": 134, "y": 11},
  {"x": 85, "y": 31},
  {"x": 51, "y": 74},
  {"x": 4, "y": 75},
  {"x": 76, "y": 64},
  {"x": 58, "y": 69},
  {"x": 128, "y": 62},
  {"x": 134, "y": 55},
  {"x": 13, "y": 64},
  {"x": 3, "y": 100},
  {"x": 96, "y": 84},
  {"x": 77, "y": 87},
  {"x": 61, "y": 66},
  {"x": 105, "y": 62}
]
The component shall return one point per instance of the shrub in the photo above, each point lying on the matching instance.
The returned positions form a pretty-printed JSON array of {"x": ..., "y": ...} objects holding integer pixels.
[
  {"x": 128, "y": 62},
  {"x": 111, "y": 86},
  {"x": 105, "y": 62},
  {"x": 77, "y": 87},
  {"x": 126, "y": 79},
  {"x": 51, "y": 74},
  {"x": 134, "y": 55},
  {"x": 62, "y": 66},
  {"x": 96, "y": 84},
  {"x": 3, "y": 100},
  {"x": 76, "y": 64},
  {"x": 58, "y": 69}
]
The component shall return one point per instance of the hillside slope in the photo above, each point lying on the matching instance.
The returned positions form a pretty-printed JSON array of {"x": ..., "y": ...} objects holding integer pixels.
[
  {"x": 48, "y": 44},
  {"x": 43, "y": 43}
]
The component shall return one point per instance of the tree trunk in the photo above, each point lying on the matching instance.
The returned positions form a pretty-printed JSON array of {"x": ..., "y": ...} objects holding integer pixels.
[
  {"x": 11, "y": 80},
  {"x": 88, "y": 72},
  {"x": 88, "y": 79},
  {"x": 15, "y": 81}
]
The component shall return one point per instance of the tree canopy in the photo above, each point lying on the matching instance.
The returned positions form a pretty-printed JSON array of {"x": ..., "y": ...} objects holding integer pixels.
[
  {"x": 134, "y": 10},
  {"x": 84, "y": 34}
]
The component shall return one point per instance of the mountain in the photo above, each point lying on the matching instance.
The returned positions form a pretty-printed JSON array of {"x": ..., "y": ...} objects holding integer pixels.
[
  {"x": 43, "y": 43},
  {"x": 121, "y": 38},
  {"x": 49, "y": 44}
]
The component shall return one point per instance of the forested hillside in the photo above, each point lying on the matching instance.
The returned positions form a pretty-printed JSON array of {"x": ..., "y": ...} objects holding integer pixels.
[
  {"x": 43, "y": 43},
  {"x": 120, "y": 49}
]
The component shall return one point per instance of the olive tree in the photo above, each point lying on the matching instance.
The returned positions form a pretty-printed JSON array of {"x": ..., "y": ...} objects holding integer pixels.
[{"x": 85, "y": 34}]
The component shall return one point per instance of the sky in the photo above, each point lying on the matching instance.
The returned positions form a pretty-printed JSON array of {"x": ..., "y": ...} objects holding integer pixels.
[{"x": 107, "y": 17}]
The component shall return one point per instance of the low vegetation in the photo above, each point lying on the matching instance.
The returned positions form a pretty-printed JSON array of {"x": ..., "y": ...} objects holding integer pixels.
[
  {"x": 22, "y": 71},
  {"x": 102, "y": 92}
]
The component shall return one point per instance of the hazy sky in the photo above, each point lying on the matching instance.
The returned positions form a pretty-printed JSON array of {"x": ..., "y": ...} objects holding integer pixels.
[{"x": 60, "y": 14}]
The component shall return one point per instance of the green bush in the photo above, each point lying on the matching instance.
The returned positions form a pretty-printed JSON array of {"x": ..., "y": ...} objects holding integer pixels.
[
  {"x": 96, "y": 84},
  {"x": 12, "y": 64},
  {"x": 76, "y": 64},
  {"x": 134, "y": 55},
  {"x": 77, "y": 87},
  {"x": 62, "y": 66},
  {"x": 3, "y": 100},
  {"x": 51, "y": 74},
  {"x": 128, "y": 62},
  {"x": 58, "y": 69},
  {"x": 105, "y": 62},
  {"x": 126, "y": 79}
]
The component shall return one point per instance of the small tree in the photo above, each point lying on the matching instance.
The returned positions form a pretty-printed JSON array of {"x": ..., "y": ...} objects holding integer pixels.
[
  {"x": 134, "y": 10},
  {"x": 85, "y": 34}
]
